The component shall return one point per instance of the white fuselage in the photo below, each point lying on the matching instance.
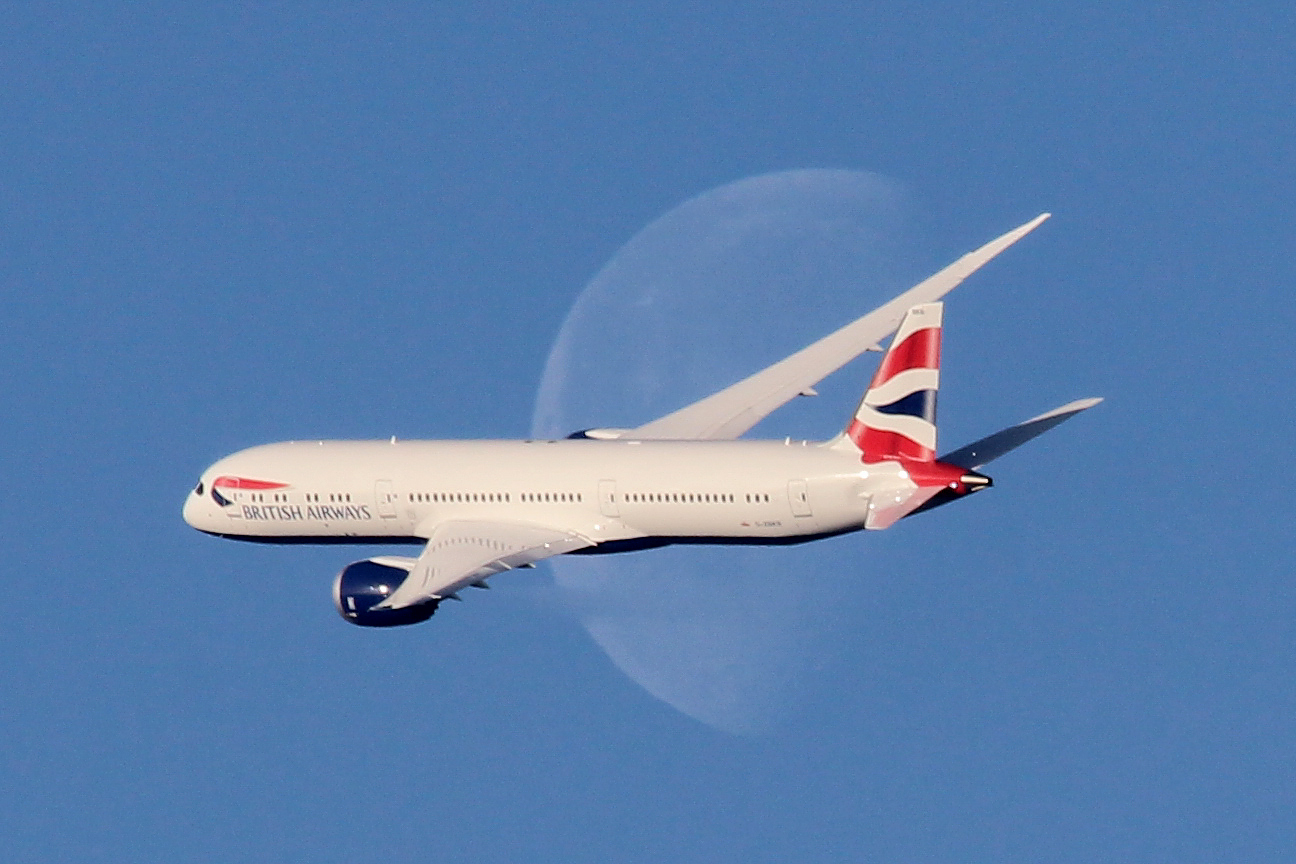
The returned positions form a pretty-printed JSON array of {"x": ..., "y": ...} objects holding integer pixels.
[{"x": 612, "y": 492}]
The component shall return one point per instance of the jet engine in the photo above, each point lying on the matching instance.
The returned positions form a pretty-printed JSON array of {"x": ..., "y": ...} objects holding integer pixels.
[{"x": 365, "y": 584}]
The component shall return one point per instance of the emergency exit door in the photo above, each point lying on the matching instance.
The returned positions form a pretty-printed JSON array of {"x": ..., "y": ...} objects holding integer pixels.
[
  {"x": 608, "y": 499},
  {"x": 799, "y": 496}
]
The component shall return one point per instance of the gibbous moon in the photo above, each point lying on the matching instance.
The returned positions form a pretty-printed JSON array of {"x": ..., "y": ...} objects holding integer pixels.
[{"x": 718, "y": 288}]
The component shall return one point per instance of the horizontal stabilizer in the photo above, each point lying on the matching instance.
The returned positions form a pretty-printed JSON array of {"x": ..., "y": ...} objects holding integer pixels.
[
  {"x": 991, "y": 447},
  {"x": 888, "y": 508}
]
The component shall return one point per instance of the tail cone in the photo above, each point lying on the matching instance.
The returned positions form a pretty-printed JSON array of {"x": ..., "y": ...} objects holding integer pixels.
[{"x": 966, "y": 483}]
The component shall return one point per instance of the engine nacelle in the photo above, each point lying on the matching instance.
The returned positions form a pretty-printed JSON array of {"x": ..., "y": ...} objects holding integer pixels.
[{"x": 365, "y": 584}]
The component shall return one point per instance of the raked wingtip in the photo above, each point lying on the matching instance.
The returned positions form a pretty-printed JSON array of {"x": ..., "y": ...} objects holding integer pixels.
[{"x": 1035, "y": 223}]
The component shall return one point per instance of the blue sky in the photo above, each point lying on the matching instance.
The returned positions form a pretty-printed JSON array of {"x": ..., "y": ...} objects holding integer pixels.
[{"x": 240, "y": 223}]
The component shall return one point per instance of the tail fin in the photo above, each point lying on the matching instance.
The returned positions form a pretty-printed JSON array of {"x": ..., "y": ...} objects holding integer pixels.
[{"x": 897, "y": 417}]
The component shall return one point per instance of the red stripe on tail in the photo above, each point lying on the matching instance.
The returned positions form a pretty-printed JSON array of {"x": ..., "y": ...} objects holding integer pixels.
[
  {"x": 921, "y": 350},
  {"x": 878, "y": 445}
]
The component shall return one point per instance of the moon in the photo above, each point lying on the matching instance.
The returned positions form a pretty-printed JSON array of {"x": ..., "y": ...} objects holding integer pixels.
[{"x": 714, "y": 290}]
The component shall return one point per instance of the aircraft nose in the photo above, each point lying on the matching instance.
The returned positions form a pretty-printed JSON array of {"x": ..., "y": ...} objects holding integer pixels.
[{"x": 193, "y": 507}]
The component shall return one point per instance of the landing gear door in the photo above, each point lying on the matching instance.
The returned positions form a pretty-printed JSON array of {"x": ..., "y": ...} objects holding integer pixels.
[{"x": 799, "y": 497}]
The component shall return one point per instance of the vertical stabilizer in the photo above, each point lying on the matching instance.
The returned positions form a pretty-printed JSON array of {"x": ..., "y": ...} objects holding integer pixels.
[{"x": 897, "y": 417}]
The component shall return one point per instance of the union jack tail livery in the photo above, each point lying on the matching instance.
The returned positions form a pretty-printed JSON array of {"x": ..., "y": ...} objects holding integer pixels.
[
  {"x": 897, "y": 417},
  {"x": 896, "y": 423}
]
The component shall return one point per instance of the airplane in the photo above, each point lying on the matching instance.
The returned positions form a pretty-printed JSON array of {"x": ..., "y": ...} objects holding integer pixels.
[{"x": 482, "y": 507}]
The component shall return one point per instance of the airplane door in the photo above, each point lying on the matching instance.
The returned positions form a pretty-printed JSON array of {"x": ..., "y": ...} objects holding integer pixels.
[
  {"x": 608, "y": 499},
  {"x": 799, "y": 496},
  {"x": 385, "y": 498}
]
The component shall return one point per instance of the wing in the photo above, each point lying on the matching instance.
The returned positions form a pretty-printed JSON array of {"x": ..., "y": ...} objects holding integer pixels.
[
  {"x": 734, "y": 410},
  {"x": 464, "y": 553}
]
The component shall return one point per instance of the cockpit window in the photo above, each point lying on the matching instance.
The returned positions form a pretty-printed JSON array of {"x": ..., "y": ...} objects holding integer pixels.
[{"x": 198, "y": 490}]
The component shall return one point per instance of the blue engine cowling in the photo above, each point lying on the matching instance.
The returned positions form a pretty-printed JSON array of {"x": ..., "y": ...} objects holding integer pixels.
[{"x": 365, "y": 584}]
